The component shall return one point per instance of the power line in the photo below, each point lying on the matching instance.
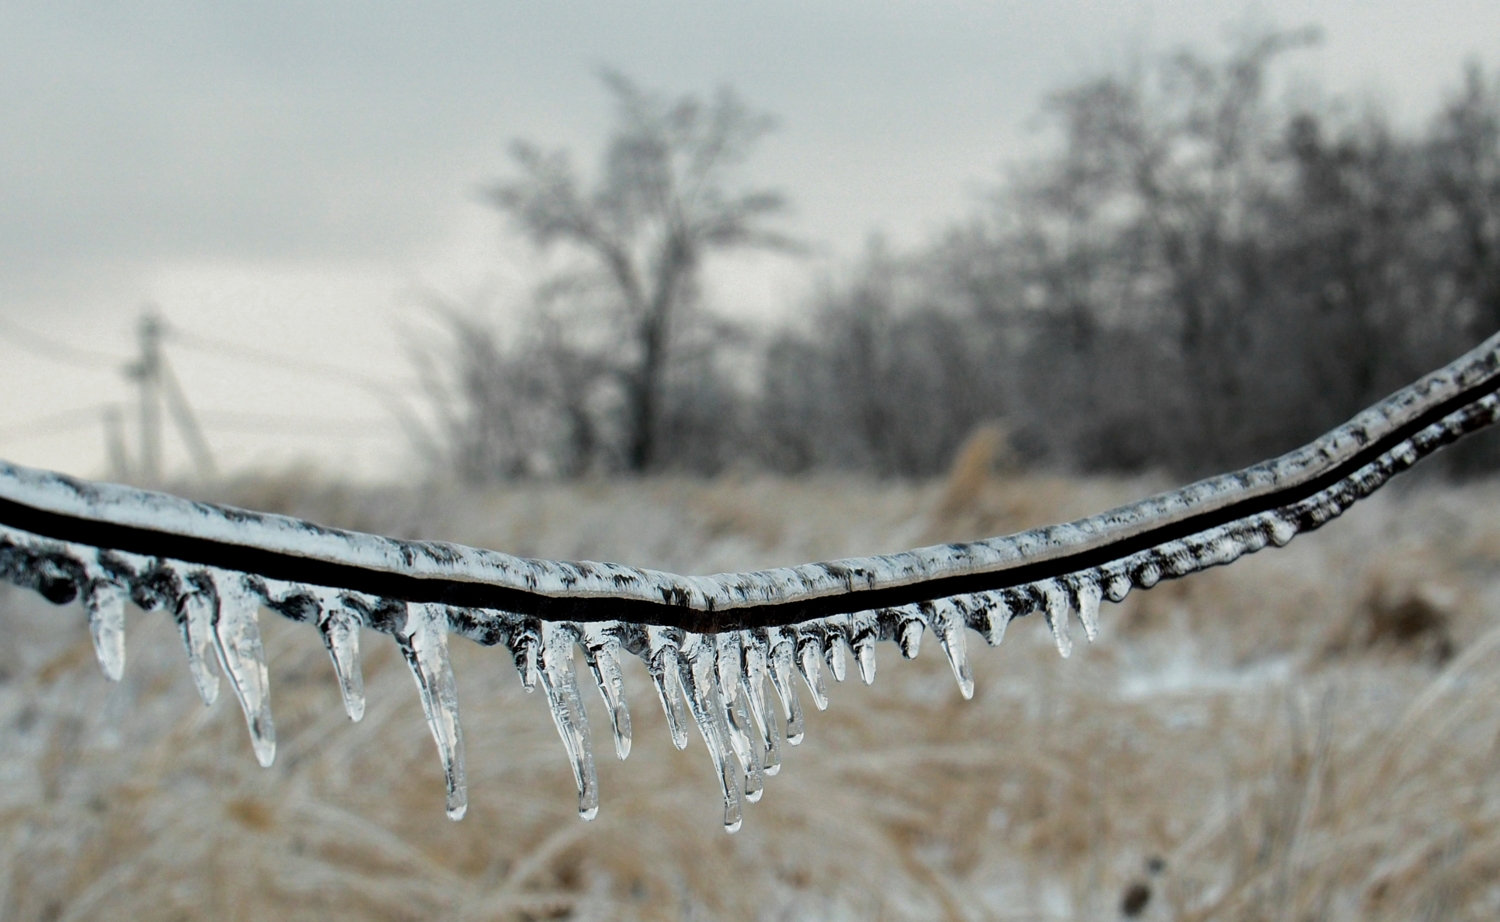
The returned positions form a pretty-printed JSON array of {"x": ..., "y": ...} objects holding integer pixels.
[
  {"x": 151, "y": 372},
  {"x": 63, "y": 421},
  {"x": 221, "y": 421},
  {"x": 274, "y": 422},
  {"x": 311, "y": 367},
  {"x": 45, "y": 347},
  {"x": 382, "y": 390},
  {"x": 146, "y": 372}
]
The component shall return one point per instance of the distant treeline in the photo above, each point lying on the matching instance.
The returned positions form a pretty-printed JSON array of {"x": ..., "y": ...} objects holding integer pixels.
[{"x": 1197, "y": 277}]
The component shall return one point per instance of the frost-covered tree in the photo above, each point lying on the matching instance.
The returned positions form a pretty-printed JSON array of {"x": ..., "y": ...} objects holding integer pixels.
[
  {"x": 664, "y": 199},
  {"x": 1196, "y": 274}
]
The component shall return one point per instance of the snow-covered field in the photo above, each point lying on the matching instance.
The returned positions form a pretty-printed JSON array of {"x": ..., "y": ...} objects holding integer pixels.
[{"x": 1310, "y": 733}]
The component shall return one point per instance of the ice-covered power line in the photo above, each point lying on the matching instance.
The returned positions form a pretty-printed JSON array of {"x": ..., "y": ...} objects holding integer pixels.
[{"x": 711, "y": 644}]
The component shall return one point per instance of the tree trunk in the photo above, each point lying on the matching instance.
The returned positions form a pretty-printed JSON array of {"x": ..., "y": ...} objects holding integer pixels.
[{"x": 654, "y": 332}]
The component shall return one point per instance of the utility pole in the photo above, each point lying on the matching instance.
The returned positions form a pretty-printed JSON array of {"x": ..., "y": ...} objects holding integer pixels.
[
  {"x": 187, "y": 423},
  {"x": 146, "y": 372},
  {"x": 158, "y": 385},
  {"x": 114, "y": 444}
]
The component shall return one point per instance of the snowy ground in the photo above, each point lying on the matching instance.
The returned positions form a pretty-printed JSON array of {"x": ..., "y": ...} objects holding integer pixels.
[{"x": 1309, "y": 733}]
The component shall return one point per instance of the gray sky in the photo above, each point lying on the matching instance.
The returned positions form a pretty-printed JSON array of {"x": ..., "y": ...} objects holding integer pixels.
[{"x": 299, "y": 178}]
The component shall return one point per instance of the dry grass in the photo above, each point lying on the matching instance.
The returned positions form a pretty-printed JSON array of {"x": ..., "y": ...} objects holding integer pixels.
[{"x": 1308, "y": 734}]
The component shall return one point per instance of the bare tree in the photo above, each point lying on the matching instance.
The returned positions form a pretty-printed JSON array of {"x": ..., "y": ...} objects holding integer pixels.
[
  {"x": 660, "y": 205},
  {"x": 1195, "y": 276},
  {"x": 511, "y": 406}
]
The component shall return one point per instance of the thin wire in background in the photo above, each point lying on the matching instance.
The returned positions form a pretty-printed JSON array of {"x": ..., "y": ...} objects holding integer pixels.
[
  {"x": 228, "y": 421},
  {"x": 65, "y": 421},
  {"x": 56, "y": 423},
  {"x": 312, "y": 367},
  {"x": 387, "y": 392},
  {"x": 44, "y": 347}
]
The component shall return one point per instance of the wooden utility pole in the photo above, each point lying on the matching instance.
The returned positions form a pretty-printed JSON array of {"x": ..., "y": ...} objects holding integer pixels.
[
  {"x": 114, "y": 444},
  {"x": 146, "y": 372},
  {"x": 158, "y": 388},
  {"x": 187, "y": 423}
]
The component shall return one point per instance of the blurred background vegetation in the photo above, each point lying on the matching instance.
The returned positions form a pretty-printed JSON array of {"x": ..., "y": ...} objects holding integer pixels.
[{"x": 1194, "y": 277}]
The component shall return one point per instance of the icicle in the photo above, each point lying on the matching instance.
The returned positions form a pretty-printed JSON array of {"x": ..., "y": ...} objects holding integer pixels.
[
  {"x": 243, "y": 659},
  {"x": 697, "y": 675},
  {"x": 195, "y": 622},
  {"x": 785, "y": 684},
  {"x": 996, "y": 617},
  {"x": 340, "y": 629},
  {"x": 948, "y": 625},
  {"x": 1282, "y": 529},
  {"x": 1088, "y": 596},
  {"x": 809, "y": 659},
  {"x": 756, "y": 666},
  {"x": 750, "y": 754},
  {"x": 1148, "y": 575},
  {"x": 523, "y": 649},
  {"x": 1056, "y": 605},
  {"x": 1216, "y": 547},
  {"x": 104, "y": 600},
  {"x": 424, "y": 642},
  {"x": 864, "y": 630},
  {"x": 909, "y": 636},
  {"x": 560, "y": 681},
  {"x": 1117, "y": 587},
  {"x": 834, "y": 654},
  {"x": 1252, "y": 537},
  {"x": 864, "y": 658},
  {"x": 662, "y": 664},
  {"x": 1176, "y": 558},
  {"x": 729, "y": 673},
  {"x": 728, "y": 662},
  {"x": 604, "y": 662}
]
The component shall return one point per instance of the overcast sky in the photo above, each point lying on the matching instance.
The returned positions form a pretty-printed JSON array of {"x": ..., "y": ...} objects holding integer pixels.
[{"x": 298, "y": 180}]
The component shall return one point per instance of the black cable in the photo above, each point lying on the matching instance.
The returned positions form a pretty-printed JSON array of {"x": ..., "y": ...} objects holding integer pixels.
[{"x": 674, "y": 609}]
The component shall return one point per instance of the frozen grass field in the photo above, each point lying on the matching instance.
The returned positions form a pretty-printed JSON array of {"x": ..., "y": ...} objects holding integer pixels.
[{"x": 1310, "y": 733}]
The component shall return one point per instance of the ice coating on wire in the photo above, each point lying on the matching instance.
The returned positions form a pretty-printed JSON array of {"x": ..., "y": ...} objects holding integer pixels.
[
  {"x": 578, "y": 591},
  {"x": 712, "y": 644}
]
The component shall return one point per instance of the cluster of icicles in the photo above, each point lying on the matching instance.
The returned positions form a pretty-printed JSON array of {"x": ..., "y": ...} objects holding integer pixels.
[
  {"x": 737, "y": 686},
  {"x": 720, "y": 681}
]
